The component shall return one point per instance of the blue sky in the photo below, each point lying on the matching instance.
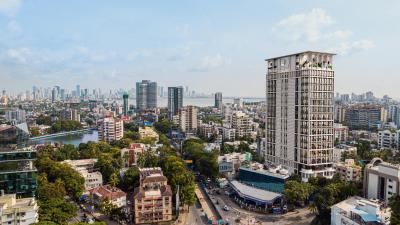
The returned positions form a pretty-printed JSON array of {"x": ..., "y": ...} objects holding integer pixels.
[{"x": 207, "y": 45}]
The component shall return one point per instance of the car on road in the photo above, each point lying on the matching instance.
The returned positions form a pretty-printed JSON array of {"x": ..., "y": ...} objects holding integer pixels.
[{"x": 226, "y": 208}]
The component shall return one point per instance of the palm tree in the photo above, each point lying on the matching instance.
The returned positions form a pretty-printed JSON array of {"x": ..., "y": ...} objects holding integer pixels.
[
  {"x": 114, "y": 180},
  {"x": 312, "y": 208}
]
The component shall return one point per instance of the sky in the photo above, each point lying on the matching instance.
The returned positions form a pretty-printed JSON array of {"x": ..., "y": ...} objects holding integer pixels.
[{"x": 207, "y": 45}]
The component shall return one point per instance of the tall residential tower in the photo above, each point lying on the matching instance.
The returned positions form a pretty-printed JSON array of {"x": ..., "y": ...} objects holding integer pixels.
[
  {"x": 146, "y": 95},
  {"x": 175, "y": 100},
  {"x": 299, "y": 125}
]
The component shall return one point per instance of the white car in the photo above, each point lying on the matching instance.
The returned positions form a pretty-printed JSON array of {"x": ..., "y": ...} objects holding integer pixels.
[{"x": 226, "y": 208}]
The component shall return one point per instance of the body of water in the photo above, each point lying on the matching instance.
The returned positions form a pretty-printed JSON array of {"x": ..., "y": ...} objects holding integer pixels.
[{"x": 73, "y": 139}]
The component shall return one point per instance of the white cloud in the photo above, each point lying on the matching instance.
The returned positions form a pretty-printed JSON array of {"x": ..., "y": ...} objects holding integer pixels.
[
  {"x": 9, "y": 7},
  {"x": 211, "y": 62},
  {"x": 339, "y": 34},
  {"x": 20, "y": 55},
  {"x": 307, "y": 26},
  {"x": 348, "y": 48}
]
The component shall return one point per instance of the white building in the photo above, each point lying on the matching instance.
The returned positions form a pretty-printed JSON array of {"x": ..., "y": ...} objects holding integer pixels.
[
  {"x": 299, "y": 120},
  {"x": 111, "y": 129},
  {"x": 228, "y": 133},
  {"x": 16, "y": 115},
  {"x": 381, "y": 180},
  {"x": 92, "y": 178},
  {"x": 359, "y": 211},
  {"x": 21, "y": 211},
  {"x": 388, "y": 139}
]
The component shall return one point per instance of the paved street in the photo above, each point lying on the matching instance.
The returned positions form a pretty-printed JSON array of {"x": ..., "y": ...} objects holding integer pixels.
[
  {"x": 299, "y": 217},
  {"x": 196, "y": 216}
]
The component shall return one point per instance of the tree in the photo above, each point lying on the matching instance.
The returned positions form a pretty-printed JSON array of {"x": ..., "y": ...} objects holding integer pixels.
[
  {"x": 147, "y": 159},
  {"x": 130, "y": 179},
  {"x": 35, "y": 131},
  {"x": 394, "y": 203},
  {"x": 47, "y": 190},
  {"x": 56, "y": 210},
  {"x": 114, "y": 179},
  {"x": 296, "y": 192},
  {"x": 108, "y": 164},
  {"x": 164, "y": 126}
]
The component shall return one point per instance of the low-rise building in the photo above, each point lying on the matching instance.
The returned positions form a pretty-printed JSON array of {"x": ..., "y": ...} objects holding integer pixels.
[
  {"x": 21, "y": 211},
  {"x": 381, "y": 180},
  {"x": 108, "y": 193},
  {"x": 348, "y": 170},
  {"x": 93, "y": 179},
  {"x": 339, "y": 150},
  {"x": 148, "y": 132},
  {"x": 153, "y": 197},
  {"x": 131, "y": 154},
  {"x": 228, "y": 164},
  {"x": 359, "y": 211},
  {"x": 341, "y": 132}
]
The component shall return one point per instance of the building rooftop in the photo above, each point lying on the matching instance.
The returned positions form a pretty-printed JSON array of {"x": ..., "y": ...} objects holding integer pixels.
[
  {"x": 106, "y": 191},
  {"x": 368, "y": 210},
  {"x": 254, "y": 193},
  {"x": 301, "y": 53}
]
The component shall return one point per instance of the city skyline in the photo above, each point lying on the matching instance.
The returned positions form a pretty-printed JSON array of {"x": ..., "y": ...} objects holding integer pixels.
[{"x": 109, "y": 45}]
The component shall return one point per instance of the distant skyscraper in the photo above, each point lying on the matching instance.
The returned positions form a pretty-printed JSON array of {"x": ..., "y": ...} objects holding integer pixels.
[
  {"x": 78, "y": 90},
  {"x": 175, "y": 100},
  {"x": 62, "y": 94},
  {"x": 53, "y": 95},
  {"x": 218, "y": 100},
  {"x": 125, "y": 96},
  {"x": 146, "y": 95},
  {"x": 299, "y": 121}
]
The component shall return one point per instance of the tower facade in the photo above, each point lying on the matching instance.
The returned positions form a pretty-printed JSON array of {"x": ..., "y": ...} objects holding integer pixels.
[
  {"x": 146, "y": 95},
  {"x": 175, "y": 100},
  {"x": 299, "y": 124},
  {"x": 125, "y": 96},
  {"x": 218, "y": 100}
]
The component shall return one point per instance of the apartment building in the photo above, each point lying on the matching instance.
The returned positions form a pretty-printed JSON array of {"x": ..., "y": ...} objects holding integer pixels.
[
  {"x": 364, "y": 116},
  {"x": 381, "y": 180},
  {"x": 70, "y": 114},
  {"x": 242, "y": 124},
  {"x": 153, "y": 197},
  {"x": 348, "y": 170},
  {"x": 299, "y": 120},
  {"x": 389, "y": 139},
  {"x": 188, "y": 119},
  {"x": 110, "y": 129},
  {"x": 21, "y": 211},
  {"x": 131, "y": 154},
  {"x": 359, "y": 211},
  {"x": 341, "y": 132},
  {"x": 148, "y": 132}
]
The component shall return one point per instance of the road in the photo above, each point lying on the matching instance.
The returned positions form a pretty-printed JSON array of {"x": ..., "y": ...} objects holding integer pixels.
[
  {"x": 238, "y": 216},
  {"x": 196, "y": 216}
]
